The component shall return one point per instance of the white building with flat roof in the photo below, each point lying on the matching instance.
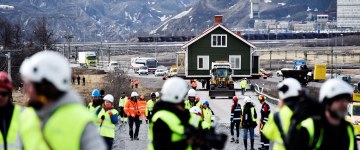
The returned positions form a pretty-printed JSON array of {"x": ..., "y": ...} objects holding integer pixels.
[{"x": 348, "y": 14}]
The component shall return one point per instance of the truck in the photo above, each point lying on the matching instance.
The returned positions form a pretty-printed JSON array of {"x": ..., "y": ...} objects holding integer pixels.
[
  {"x": 138, "y": 62},
  {"x": 113, "y": 65},
  {"x": 87, "y": 59},
  {"x": 221, "y": 82}
]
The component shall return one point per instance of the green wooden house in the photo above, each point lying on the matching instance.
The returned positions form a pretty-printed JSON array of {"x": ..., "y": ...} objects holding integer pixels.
[{"x": 217, "y": 43}]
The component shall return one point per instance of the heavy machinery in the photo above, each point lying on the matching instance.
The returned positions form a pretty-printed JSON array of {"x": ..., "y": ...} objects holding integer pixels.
[{"x": 221, "y": 83}]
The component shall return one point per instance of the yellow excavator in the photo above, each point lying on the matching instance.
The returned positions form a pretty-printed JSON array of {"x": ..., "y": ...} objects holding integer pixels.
[{"x": 221, "y": 82}]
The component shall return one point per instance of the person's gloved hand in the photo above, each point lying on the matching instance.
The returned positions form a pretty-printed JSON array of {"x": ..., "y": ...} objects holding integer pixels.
[{"x": 101, "y": 119}]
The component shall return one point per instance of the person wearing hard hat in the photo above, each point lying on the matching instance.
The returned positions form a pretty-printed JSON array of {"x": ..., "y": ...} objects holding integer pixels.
[
  {"x": 198, "y": 114},
  {"x": 265, "y": 111},
  {"x": 208, "y": 114},
  {"x": 171, "y": 120},
  {"x": 142, "y": 108},
  {"x": 9, "y": 116},
  {"x": 235, "y": 119},
  {"x": 248, "y": 121},
  {"x": 157, "y": 94},
  {"x": 150, "y": 106},
  {"x": 108, "y": 118},
  {"x": 329, "y": 130},
  {"x": 243, "y": 85},
  {"x": 191, "y": 100},
  {"x": 279, "y": 122},
  {"x": 132, "y": 111},
  {"x": 122, "y": 101},
  {"x": 57, "y": 118},
  {"x": 96, "y": 101}
]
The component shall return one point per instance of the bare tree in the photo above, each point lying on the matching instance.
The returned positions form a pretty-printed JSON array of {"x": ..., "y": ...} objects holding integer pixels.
[
  {"x": 42, "y": 36},
  {"x": 6, "y": 36}
]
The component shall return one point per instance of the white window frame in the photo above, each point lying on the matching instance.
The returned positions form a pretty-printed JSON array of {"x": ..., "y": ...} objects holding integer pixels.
[
  {"x": 205, "y": 62},
  {"x": 215, "y": 36},
  {"x": 234, "y": 57}
]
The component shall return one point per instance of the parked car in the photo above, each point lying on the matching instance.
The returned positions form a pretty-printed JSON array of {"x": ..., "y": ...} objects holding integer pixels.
[
  {"x": 159, "y": 72},
  {"x": 143, "y": 70}
]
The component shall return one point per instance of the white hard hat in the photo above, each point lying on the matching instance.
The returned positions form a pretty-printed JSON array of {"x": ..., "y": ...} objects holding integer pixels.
[
  {"x": 174, "y": 90},
  {"x": 48, "y": 65},
  {"x": 191, "y": 93},
  {"x": 109, "y": 98},
  {"x": 247, "y": 99},
  {"x": 195, "y": 110},
  {"x": 334, "y": 87},
  {"x": 133, "y": 94},
  {"x": 157, "y": 94},
  {"x": 290, "y": 87}
]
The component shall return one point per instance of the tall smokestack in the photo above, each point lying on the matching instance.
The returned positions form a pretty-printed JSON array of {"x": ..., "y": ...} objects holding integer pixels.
[{"x": 218, "y": 19}]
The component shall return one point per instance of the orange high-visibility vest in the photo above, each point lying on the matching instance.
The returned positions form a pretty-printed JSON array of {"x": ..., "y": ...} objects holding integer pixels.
[
  {"x": 142, "y": 106},
  {"x": 131, "y": 109}
]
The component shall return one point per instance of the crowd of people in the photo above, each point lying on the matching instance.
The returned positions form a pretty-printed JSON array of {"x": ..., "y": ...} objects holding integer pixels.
[{"x": 55, "y": 116}]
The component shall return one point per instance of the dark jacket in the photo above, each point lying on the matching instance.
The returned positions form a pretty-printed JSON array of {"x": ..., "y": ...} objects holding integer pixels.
[
  {"x": 6, "y": 113},
  {"x": 161, "y": 131},
  {"x": 265, "y": 111},
  {"x": 334, "y": 137},
  {"x": 249, "y": 119},
  {"x": 236, "y": 112}
]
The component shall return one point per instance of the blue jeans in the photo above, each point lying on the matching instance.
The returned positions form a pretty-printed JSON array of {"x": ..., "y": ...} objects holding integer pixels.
[{"x": 245, "y": 131}]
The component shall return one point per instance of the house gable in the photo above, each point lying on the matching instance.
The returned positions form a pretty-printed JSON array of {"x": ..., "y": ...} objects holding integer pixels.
[{"x": 234, "y": 47}]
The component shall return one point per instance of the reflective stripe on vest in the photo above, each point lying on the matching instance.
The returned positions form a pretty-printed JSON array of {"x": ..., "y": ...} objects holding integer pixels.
[
  {"x": 174, "y": 124},
  {"x": 13, "y": 141},
  {"x": 65, "y": 127},
  {"x": 107, "y": 128}
]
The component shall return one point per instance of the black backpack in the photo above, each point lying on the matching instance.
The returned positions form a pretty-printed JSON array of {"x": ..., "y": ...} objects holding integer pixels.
[{"x": 247, "y": 117}]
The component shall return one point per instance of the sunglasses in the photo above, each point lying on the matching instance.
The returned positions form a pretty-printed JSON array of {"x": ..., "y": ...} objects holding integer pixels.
[{"x": 3, "y": 94}]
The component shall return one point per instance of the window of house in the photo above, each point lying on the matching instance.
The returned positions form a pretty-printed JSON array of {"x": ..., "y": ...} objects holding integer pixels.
[
  {"x": 235, "y": 61},
  {"x": 219, "y": 40},
  {"x": 202, "y": 62}
]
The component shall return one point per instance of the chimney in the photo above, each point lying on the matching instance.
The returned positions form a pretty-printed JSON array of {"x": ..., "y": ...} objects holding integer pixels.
[
  {"x": 238, "y": 33},
  {"x": 218, "y": 19}
]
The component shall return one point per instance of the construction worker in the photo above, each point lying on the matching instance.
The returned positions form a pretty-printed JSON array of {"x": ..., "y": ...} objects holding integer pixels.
[
  {"x": 170, "y": 120},
  {"x": 198, "y": 112},
  {"x": 248, "y": 121},
  {"x": 265, "y": 111},
  {"x": 108, "y": 118},
  {"x": 157, "y": 96},
  {"x": 279, "y": 122},
  {"x": 191, "y": 100},
  {"x": 9, "y": 116},
  {"x": 329, "y": 130},
  {"x": 58, "y": 118},
  {"x": 122, "y": 101},
  {"x": 142, "y": 108},
  {"x": 208, "y": 114},
  {"x": 243, "y": 85},
  {"x": 132, "y": 111},
  {"x": 235, "y": 119},
  {"x": 96, "y": 101},
  {"x": 193, "y": 84},
  {"x": 150, "y": 107}
]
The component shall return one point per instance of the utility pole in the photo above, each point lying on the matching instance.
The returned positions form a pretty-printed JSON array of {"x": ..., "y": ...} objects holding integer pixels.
[
  {"x": 76, "y": 53},
  {"x": 68, "y": 38},
  {"x": 9, "y": 63},
  {"x": 332, "y": 62},
  {"x": 270, "y": 59},
  {"x": 109, "y": 55}
]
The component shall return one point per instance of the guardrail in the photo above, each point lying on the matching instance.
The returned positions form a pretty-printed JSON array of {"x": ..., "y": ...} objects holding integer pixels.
[{"x": 269, "y": 98}]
